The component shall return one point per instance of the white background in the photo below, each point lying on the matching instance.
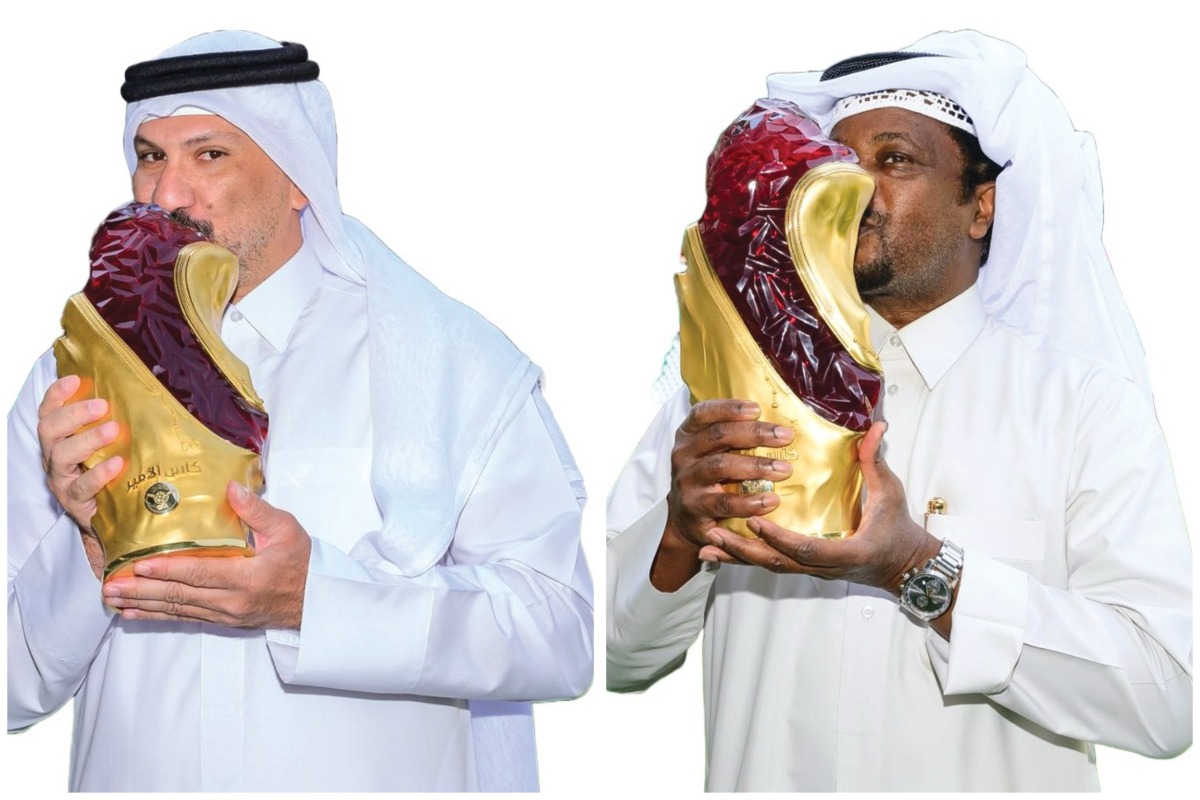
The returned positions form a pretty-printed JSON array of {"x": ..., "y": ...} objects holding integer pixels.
[{"x": 540, "y": 162}]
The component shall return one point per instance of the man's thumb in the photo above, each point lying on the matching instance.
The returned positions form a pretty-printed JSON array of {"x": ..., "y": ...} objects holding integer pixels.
[
  {"x": 870, "y": 457},
  {"x": 262, "y": 517}
]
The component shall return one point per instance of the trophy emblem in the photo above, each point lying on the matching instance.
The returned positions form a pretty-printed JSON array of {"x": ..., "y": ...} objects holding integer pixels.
[
  {"x": 143, "y": 335},
  {"x": 769, "y": 310},
  {"x": 162, "y": 498}
]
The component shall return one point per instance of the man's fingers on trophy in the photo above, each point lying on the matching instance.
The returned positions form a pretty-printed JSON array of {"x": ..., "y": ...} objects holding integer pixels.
[
  {"x": 881, "y": 483},
  {"x": 716, "y": 554},
  {"x": 174, "y": 574},
  {"x": 762, "y": 468},
  {"x": 249, "y": 506},
  {"x": 716, "y": 503},
  {"x": 870, "y": 450},
  {"x": 760, "y": 552},
  {"x": 707, "y": 412},
  {"x": 264, "y": 519},
  {"x": 91, "y": 481},
  {"x": 58, "y": 394},
  {"x": 811, "y": 551},
  {"x": 69, "y": 453},
  {"x": 755, "y": 552},
  {"x": 726, "y": 467},
  {"x": 64, "y": 421},
  {"x": 743, "y": 436},
  {"x": 169, "y": 611}
]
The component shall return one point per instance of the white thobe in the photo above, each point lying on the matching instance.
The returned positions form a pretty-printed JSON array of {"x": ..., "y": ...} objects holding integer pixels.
[
  {"x": 1073, "y": 619},
  {"x": 371, "y": 692}
]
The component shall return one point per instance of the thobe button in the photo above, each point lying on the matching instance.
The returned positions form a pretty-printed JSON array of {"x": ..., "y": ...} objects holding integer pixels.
[
  {"x": 893, "y": 388},
  {"x": 894, "y": 341},
  {"x": 235, "y": 315},
  {"x": 868, "y": 612}
]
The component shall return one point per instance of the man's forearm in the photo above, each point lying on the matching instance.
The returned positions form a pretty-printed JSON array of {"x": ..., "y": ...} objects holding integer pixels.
[
  {"x": 1073, "y": 665},
  {"x": 649, "y": 630},
  {"x": 56, "y": 618},
  {"x": 56, "y": 623},
  {"x": 487, "y": 631}
]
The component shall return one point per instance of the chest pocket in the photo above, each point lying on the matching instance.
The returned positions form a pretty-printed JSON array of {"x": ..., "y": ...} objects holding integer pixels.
[
  {"x": 328, "y": 489},
  {"x": 1019, "y": 542}
]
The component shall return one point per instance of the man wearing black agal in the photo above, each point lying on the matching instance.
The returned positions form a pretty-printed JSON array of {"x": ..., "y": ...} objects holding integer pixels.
[{"x": 418, "y": 578}]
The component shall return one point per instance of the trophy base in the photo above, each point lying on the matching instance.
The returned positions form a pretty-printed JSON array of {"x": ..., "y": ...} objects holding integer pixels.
[{"x": 216, "y": 548}]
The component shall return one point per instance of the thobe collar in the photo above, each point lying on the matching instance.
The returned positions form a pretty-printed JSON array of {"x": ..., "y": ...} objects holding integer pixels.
[
  {"x": 937, "y": 339},
  {"x": 275, "y": 305}
]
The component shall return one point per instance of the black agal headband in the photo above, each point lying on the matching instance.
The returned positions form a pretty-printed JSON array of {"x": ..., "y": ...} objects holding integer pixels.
[
  {"x": 285, "y": 64},
  {"x": 854, "y": 64}
]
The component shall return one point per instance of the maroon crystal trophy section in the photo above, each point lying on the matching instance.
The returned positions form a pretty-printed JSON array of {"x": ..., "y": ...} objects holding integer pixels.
[
  {"x": 756, "y": 164},
  {"x": 132, "y": 285}
]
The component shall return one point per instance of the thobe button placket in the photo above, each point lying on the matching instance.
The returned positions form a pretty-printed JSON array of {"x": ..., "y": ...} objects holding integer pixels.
[
  {"x": 894, "y": 340},
  {"x": 863, "y": 687},
  {"x": 222, "y": 689}
]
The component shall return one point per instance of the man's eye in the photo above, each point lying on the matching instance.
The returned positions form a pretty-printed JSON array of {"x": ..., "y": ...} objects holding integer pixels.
[
  {"x": 895, "y": 158},
  {"x": 212, "y": 155},
  {"x": 150, "y": 157}
]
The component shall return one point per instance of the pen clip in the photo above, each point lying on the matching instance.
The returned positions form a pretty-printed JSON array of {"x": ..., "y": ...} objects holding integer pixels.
[{"x": 936, "y": 505}]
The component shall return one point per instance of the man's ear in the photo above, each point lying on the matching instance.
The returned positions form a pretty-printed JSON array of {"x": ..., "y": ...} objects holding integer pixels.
[
  {"x": 985, "y": 210},
  {"x": 298, "y": 200}
]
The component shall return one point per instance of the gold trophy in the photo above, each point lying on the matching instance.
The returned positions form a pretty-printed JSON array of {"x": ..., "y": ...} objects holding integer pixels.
[
  {"x": 143, "y": 336},
  {"x": 769, "y": 310}
]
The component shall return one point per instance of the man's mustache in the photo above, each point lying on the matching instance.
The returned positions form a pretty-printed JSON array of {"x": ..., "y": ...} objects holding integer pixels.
[
  {"x": 203, "y": 227},
  {"x": 872, "y": 220}
]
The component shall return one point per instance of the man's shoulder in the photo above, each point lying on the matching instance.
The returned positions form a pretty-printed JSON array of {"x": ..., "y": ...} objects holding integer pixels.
[
  {"x": 1040, "y": 355},
  {"x": 428, "y": 313},
  {"x": 1060, "y": 382},
  {"x": 413, "y": 309}
]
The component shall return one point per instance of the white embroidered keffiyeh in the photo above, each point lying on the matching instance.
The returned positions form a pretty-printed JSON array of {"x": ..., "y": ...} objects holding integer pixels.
[{"x": 929, "y": 104}]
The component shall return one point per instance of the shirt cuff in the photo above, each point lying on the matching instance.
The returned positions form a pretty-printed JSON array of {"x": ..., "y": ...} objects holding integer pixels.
[
  {"x": 63, "y": 613},
  {"x": 642, "y": 612},
  {"x": 988, "y": 630},
  {"x": 352, "y": 625}
]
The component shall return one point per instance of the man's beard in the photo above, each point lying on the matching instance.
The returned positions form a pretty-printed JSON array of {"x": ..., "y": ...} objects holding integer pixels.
[
  {"x": 874, "y": 276},
  {"x": 203, "y": 227}
]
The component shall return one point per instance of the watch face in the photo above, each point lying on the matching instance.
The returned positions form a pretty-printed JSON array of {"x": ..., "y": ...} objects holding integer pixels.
[{"x": 927, "y": 593}]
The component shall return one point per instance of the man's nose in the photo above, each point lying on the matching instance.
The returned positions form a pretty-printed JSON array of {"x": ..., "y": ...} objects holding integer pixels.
[
  {"x": 173, "y": 189},
  {"x": 875, "y": 205}
]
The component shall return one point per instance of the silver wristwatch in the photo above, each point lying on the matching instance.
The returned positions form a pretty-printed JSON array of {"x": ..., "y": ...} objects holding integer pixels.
[{"x": 927, "y": 591}]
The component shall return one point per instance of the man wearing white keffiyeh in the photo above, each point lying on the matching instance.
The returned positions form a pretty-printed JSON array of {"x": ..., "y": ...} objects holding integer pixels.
[
  {"x": 391, "y": 634},
  {"x": 1020, "y": 429}
]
